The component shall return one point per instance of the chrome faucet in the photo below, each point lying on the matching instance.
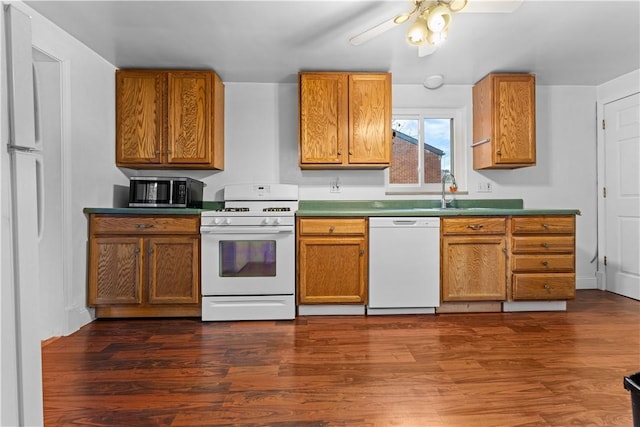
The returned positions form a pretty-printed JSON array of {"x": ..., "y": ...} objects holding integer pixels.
[{"x": 452, "y": 188}]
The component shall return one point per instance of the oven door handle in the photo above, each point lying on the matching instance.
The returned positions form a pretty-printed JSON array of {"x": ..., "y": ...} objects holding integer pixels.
[{"x": 244, "y": 230}]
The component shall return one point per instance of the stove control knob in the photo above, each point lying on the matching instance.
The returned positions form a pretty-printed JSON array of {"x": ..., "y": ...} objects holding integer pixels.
[
  {"x": 276, "y": 221},
  {"x": 265, "y": 221}
]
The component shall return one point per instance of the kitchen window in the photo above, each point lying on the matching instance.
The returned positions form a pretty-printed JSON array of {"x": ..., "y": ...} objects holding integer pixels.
[{"x": 426, "y": 144}]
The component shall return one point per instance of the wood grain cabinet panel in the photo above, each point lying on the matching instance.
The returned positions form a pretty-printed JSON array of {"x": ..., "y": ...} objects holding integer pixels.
[
  {"x": 543, "y": 257},
  {"x": 332, "y": 266},
  {"x": 344, "y": 120},
  {"x": 146, "y": 266},
  {"x": 544, "y": 287},
  {"x": 473, "y": 259},
  {"x": 140, "y": 117},
  {"x": 169, "y": 119},
  {"x": 115, "y": 270},
  {"x": 504, "y": 123}
]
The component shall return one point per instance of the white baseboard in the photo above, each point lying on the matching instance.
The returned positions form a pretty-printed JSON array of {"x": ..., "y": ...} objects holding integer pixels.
[
  {"x": 534, "y": 306},
  {"x": 385, "y": 311},
  {"x": 587, "y": 283},
  {"x": 77, "y": 317}
]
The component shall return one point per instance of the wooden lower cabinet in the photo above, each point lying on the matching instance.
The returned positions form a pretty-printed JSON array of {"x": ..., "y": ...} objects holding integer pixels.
[
  {"x": 144, "y": 266},
  {"x": 332, "y": 261},
  {"x": 511, "y": 258},
  {"x": 543, "y": 258},
  {"x": 473, "y": 259}
]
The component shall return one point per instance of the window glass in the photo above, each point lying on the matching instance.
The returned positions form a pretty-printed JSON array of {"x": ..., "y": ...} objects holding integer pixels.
[{"x": 424, "y": 149}]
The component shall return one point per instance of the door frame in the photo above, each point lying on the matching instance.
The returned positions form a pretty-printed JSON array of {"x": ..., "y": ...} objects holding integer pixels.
[{"x": 614, "y": 90}]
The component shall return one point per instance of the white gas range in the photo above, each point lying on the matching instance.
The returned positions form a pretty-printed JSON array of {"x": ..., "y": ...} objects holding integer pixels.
[{"x": 248, "y": 254}]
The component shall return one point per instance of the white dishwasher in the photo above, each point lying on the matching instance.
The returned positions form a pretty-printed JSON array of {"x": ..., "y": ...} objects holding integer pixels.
[{"x": 404, "y": 265}]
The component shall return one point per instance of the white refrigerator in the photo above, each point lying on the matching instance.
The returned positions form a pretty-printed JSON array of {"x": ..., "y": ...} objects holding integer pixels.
[{"x": 26, "y": 216}]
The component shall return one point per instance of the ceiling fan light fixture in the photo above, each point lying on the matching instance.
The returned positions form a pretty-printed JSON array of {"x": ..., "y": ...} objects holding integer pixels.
[
  {"x": 437, "y": 38},
  {"x": 418, "y": 32},
  {"x": 438, "y": 18}
]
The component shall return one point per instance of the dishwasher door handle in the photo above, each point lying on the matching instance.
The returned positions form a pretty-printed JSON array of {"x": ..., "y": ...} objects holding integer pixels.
[{"x": 404, "y": 222}]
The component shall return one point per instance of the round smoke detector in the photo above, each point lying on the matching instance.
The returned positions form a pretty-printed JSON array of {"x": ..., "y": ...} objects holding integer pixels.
[{"x": 434, "y": 82}]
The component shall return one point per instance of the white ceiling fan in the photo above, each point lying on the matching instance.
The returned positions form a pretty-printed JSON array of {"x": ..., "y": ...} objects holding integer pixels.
[{"x": 432, "y": 21}]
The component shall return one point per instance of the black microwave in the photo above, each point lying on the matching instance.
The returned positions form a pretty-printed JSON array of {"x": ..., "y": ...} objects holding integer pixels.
[{"x": 165, "y": 192}]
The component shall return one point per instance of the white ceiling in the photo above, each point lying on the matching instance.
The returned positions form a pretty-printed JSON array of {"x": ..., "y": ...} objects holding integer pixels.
[{"x": 573, "y": 42}]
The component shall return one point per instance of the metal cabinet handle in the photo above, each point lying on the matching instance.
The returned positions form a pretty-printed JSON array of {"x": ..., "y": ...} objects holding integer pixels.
[
  {"x": 545, "y": 263},
  {"x": 339, "y": 153},
  {"x": 361, "y": 252},
  {"x": 331, "y": 229},
  {"x": 143, "y": 226},
  {"x": 475, "y": 226},
  {"x": 499, "y": 152},
  {"x": 545, "y": 225},
  {"x": 136, "y": 251},
  {"x": 547, "y": 287},
  {"x": 545, "y": 245}
]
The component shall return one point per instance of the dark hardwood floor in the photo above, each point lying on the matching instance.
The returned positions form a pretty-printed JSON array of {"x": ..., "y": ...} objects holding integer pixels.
[{"x": 502, "y": 369}]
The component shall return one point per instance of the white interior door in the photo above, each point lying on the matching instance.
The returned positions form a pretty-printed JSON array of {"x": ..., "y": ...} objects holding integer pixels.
[{"x": 622, "y": 202}]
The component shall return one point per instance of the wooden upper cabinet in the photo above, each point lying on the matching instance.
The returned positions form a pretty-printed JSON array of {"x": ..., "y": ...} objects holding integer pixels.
[
  {"x": 504, "y": 123},
  {"x": 169, "y": 119},
  {"x": 140, "y": 104},
  {"x": 345, "y": 120}
]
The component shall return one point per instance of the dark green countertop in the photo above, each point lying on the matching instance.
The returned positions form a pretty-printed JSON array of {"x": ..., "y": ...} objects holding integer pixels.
[
  {"x": 207, "y": 206},
  {"x": 366, "y": 208},
  {"x": 481, "y": 207}
]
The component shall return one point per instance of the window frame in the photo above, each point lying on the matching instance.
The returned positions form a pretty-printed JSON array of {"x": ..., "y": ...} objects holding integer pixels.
[{"x": 458, "y": 149}]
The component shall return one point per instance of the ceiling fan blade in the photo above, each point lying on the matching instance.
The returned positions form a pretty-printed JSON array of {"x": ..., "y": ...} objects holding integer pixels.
[
  {"x": 374, "y": 31},
  {"x": 426, "y": 49},
  {"x": 491, "y": 6}
]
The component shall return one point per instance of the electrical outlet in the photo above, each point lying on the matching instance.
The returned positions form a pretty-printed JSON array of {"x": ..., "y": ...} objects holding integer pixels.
[
  {"x": 334, "y": 186},
  {"x": 485, "y": 187}
]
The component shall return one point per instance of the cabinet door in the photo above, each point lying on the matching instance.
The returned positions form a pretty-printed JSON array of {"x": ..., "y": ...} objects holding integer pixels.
[
  {"x": 115, "y": 270},
  {"x": 173, "y": 270},
  {"x": 189, "y": 111},
  {"x": 474, "y": 268},
  {"x": 323, "y": 118},
  {"x": 140, "y": 132},
  {"x": 332, "y": 270},
  {"x": 370, "y": 118},
  {"x": 514, "y": 110}
]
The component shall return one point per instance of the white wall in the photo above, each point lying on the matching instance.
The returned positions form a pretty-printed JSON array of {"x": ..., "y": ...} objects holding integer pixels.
[{"x": 261, "y": 143}]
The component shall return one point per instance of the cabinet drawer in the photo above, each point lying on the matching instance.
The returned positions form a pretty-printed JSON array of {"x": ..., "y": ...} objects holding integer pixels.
[
  {"x": 332, "y": 226},
  {"x": 543, "y": 224},
  {"x": 540, "y": 263},
  {"x": 144, "y": 224},
  {"x": 474, "y": 225},
  {"x": 544, "y": 286},
  {"x": 542, "y": 244}
]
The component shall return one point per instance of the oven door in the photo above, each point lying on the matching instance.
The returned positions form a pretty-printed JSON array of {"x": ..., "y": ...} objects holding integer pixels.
[{"x": 248, "y": 261}]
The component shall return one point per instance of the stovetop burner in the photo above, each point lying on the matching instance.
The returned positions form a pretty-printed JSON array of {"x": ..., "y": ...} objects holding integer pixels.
[
  {"x": 232, "y": 210},
  {"x": 277, "y": 209}
]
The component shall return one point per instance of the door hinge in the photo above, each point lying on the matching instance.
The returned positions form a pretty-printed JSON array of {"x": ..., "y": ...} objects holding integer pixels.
[
  {"x": 605, "y": 260},
  {"x": 604, "y": 192},
  {"x": 604, "y": 124}
]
